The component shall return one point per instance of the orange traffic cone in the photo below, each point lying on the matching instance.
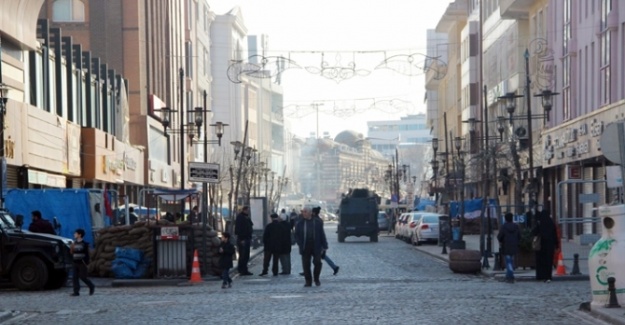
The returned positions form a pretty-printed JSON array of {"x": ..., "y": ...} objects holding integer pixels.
[
  {"x": 561, "y": 270},
  {"x": 195, "y": 270}
]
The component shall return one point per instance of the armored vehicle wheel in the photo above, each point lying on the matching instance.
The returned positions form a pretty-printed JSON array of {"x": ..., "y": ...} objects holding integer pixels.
[
  {"x": 341, "y": 237},
  {"x": 29, "y": 273},
  {"x": 373, "y": 238}
]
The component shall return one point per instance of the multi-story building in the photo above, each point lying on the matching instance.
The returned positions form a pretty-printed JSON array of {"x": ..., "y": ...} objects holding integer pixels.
[
  {"x": 63, "y": 125},
  {"x": 249, "y": 102},
  {"x": 163, "y": 50},
  {"x": 527, "y": 48},
  {"x": 586, "y": 44}
]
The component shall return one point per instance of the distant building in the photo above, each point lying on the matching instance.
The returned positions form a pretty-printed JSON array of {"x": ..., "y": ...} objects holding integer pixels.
[
  {"x": 411, "y": 136},
  {"x": 330, "y": 167},
  {"x": 386, "y": 136}
]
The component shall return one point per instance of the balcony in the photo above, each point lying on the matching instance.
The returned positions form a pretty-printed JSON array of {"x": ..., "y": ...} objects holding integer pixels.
[{"x": 515, "y": 9}]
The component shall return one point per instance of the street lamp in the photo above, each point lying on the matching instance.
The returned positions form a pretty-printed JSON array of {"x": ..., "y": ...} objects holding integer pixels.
[
  {"x": 196, "y": 118},
  {"x": 547, "y": 101},
  {"x": 510, "y": 106},
  {"x": 4, "y": 97},
  {"x": 458, "y": 242}
]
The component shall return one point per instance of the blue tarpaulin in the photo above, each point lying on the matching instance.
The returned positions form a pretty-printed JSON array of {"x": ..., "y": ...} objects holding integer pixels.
[
  {"x": 70, "y": 207},
  {"x": 472, "y": 208},
  {"x": 421, "y": 203}
]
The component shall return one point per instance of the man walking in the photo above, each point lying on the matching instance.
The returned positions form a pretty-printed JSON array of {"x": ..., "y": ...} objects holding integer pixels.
[
  {"x": 312, "y": 243},
  {"x": 243, "y": 229},
  {"x": 80, "y": 254},
  {"x": 509, "y": 237},
  {"x": 324, "y": 256},
  {"x": 286, "y": 236}
]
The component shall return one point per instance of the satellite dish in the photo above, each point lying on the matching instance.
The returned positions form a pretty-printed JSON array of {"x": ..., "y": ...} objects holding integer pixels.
[{"x": 520, "y": 132}]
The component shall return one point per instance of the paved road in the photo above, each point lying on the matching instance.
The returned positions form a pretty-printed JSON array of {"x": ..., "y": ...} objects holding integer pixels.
[{"x": 388, "y": 282}]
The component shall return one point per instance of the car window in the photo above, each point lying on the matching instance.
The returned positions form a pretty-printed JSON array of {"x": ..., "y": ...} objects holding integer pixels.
[{"x": 430, "y": 219}]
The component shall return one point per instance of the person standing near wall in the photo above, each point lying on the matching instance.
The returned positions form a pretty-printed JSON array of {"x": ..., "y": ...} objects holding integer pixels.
[
  {"x": 546, "y": 229},
  {"x": 243, "y": 229}
]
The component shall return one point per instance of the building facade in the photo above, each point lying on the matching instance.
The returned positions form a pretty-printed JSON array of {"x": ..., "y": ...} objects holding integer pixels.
[
  {"x": 61, "y": 128},
  {"x": 541, "y": 156}
]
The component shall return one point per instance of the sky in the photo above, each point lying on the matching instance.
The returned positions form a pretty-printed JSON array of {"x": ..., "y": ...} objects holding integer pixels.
[{"x": 342, "y": 32}]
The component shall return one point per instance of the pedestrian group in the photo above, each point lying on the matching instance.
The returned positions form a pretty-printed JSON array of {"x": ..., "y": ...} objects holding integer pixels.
[{"x": 284, "y": 231}]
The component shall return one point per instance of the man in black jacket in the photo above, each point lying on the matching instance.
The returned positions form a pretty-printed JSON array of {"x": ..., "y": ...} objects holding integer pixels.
[
  {"x": 272, "y": 242},
  {"x": 509, "y": 237},
  {"x": 243, "y": 229},
  {"x": 311, "y": 239},
  {"x": 287, "y": 241}
]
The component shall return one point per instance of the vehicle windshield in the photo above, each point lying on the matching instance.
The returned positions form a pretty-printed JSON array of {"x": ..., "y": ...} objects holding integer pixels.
[{"x": 6, "y": 222}]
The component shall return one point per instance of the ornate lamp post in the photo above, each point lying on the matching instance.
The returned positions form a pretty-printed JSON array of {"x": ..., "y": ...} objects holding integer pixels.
[
  {"x": 547, "y": 103},
  {"x": 510, "y": 106},
  {"x": 4, "y": 97},
  {"x": 459, "y": 242}
]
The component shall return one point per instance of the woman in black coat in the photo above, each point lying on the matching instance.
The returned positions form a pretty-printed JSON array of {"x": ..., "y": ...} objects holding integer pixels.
[{"x": 546, "y": 229}]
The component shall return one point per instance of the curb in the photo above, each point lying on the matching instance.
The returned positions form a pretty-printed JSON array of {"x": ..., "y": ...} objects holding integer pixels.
[
  {"x": 5, "y": 315},
  {"x": 519, "y": 277},
  {"x": 608, "y": 317}
]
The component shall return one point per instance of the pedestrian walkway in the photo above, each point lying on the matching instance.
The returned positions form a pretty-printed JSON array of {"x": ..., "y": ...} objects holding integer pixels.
[
  {"x": 611, "y": 315},
  {"x": 473, "y": 243}
]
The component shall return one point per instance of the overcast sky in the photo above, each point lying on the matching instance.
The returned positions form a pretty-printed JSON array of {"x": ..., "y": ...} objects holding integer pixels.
[{"x": 343, "y": 31}]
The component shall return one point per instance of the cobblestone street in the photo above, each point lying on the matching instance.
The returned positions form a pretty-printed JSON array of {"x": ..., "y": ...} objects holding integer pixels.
[{"x": 388, "y": 282}]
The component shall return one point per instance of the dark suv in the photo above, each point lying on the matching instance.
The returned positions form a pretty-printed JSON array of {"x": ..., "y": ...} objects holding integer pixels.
[
  {"x": 358, "y": 215},
  {"x": 32, "y": 261}
]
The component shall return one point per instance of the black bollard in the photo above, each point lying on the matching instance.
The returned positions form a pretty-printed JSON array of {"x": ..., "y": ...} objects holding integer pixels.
[
  {"x": 575, "y": 270},
  {"x": 498, "y": 266},
  {"x": 485, "y": 264},
  {"x": 613, "y": 302},
  {"x": 444, "y": 252}
]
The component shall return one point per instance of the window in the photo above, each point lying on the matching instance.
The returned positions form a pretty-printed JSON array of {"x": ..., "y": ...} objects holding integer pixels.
[
  {"x": 566, "y": 62},
  {"x": 68, "y": 11},
  {"x": 189, "y": 59},
  {"x": 604, "y": 54}
]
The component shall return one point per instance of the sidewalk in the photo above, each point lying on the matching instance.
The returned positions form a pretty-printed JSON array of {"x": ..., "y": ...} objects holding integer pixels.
[{"x": 610, "y": 315}]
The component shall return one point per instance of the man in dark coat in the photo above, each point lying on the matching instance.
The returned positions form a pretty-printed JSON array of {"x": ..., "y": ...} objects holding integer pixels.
[
  {"x": 509, "y": 237},
  {"x": 287, "y": 240},
  {"x": 40, "y": 225},
  {"x": 243, "y": 229},
  {"x": 315, "y": 213},
  {"x": 546, "y": 229},
  {"x": 272, "y": 243},
  {"x": 312, "y": 243}
]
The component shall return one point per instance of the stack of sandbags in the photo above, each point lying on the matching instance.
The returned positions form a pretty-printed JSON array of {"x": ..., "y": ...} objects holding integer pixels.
[
  {"x": 138, "y": 236},
  {"x": 211, "y": 250},
  {"x": 141, "y": 236}
]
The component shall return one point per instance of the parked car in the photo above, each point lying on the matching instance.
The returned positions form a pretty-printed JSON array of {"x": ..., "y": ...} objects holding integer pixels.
[
  {"x": 426, "y": 229},
  {"x": 382, "y": 221},
  {"x": 409, "y": 225},
  {"x": 398, "y": 225}
]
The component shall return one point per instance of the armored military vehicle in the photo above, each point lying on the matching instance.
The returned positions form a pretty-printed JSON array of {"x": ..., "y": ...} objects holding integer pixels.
[
  {"x": 358, "y": 215},
  {"x": 32, "y": 261}
]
